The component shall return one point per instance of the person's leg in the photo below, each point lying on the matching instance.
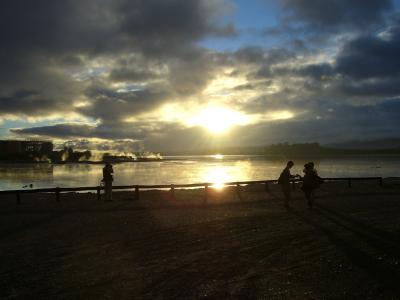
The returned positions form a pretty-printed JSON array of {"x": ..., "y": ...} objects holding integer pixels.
[
  {"x": 286, "y": 195},
  {"x": 105, "y": 190},
  {"x": 308, "y": 194},
  {"x": 108, "y": 190},
  {"x": 312, "y": 197}
]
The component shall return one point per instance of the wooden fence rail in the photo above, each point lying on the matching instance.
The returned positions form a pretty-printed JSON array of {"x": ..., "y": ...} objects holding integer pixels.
[{"x": 136, "y": 188}]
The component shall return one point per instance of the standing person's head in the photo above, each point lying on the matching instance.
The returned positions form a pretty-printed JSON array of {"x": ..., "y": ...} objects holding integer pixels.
[
  {"x": 290, "y": 164},
  {"x": 308, "y": 167}
]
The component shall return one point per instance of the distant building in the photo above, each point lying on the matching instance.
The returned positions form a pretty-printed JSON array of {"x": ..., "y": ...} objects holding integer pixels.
[{"x": 15, "y": 148}]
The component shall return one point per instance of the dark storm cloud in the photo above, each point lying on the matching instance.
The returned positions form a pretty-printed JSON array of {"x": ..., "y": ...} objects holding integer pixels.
[
  {"x": 366, "y": 68},
  {"x": 370, "y": 56},
  {"x": 104, "y": 131},
  {"x": 185, "y": 74},
  {"x": 134, "y": 69},
  {"x": 376, "y": 89},
  {"x": 31, "y": 101},
  {"x": 110, "y": 105},
  {"x": 246, "y": 86},
  {"x": 263, "y": 61},
  {"x": 95, "y": 26},
  {"x": 316, "y": 71},
  {"x": 259, "y": 55},
  {"x": 335, "y": 14},
  {"x": 54, "y": 93},
  {"x": 161, "y": 26},
  {"x": 42, "y": 42},
  {"x": 188, "y": 77},
  {"x": 59, "y": 130},
  {"x": 132, "y": 75},
  {"x": 339, "y": 122}
]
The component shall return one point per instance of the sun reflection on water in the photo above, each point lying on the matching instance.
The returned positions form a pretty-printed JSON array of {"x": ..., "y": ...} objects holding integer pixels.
[{"x": 217, "y": 176}]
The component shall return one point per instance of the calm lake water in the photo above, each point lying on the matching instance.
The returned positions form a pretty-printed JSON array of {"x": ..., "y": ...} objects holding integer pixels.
[{"x": 188, "y": 169}]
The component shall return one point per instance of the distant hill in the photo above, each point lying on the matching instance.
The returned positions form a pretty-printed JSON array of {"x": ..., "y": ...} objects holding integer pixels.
[
  {"x": 294, "y": 150},
  {"x": 387, "y": 143}
]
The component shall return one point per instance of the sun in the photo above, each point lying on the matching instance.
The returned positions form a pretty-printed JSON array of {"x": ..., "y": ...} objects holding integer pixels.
[{"x": 218, "y": 119}]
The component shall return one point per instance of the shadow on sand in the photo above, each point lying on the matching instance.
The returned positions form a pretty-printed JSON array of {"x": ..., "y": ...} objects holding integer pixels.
[{"x": 384, "y": 242}]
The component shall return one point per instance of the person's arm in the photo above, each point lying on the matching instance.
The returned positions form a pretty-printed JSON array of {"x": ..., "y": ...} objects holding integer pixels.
[{"x": 294, "y": 176}]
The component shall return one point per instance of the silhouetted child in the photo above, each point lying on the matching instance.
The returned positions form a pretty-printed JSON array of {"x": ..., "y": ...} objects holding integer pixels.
[
  {"x": 284, "y": 182},
  {"x": 108, "y": 179},
  {"x": 311, "y": 181}
]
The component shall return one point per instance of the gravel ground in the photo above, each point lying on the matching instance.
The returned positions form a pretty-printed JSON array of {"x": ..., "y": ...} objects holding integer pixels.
[{"x": 247, "y": 247}]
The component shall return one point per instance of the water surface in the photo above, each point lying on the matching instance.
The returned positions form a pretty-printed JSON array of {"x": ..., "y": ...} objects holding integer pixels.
[{"x": 188, "y": 169}]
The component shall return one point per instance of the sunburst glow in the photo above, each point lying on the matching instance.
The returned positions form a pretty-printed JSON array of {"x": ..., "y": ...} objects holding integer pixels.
[
  {"x": 218, "y": 119},
  {"x": 218, "y": 156}
]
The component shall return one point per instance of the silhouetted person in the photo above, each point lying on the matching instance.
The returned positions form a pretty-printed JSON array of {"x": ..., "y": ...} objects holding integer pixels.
[
  {"x": 284, "y": 182},
  {"x": 108, "y": 179},
  {"x": 311, "y": 181}
]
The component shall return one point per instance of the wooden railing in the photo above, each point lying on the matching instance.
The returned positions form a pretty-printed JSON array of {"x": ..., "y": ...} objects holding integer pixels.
[{"x": 57, "y": 191}]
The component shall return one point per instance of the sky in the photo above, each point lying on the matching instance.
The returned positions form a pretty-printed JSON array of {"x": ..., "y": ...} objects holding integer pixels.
[{"x": 164, "y": 75}]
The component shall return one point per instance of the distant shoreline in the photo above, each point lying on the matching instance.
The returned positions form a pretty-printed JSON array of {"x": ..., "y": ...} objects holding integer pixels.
[{"x": 188, "y": 156}]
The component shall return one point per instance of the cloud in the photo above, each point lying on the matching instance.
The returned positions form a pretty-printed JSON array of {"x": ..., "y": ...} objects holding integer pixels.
[
  {"x": 331, "y": 15},
  {"x": 93, "y": 27},
  {"x": 328, "y": 122},
  {"x": 112, "y": 131},
  {"x": 161, "y": 27},
  {"x": 59, "y": 130},
  {"x": 121, "y": 58},
  {"x": 265, "y": 56},
  {"x": 118, "y": 63},
  {"x": 316, "y": 71},
  {"x": 371, "y": 56},
  {"x": 110, "y": 105}
]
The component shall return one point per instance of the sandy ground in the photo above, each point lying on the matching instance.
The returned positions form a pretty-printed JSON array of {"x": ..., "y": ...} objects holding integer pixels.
[{"x": 347, "y": 247}]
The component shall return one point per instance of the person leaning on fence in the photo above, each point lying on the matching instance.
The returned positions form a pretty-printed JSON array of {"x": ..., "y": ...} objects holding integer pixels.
[
  {"x": 108, "y": 179},
  {"x": 311, "y": 181},
  {"x": 284, "y": 182}
]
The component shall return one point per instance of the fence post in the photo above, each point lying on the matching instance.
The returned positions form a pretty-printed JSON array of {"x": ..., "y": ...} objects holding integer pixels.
[
  {"x": 205, "y": 193},
  {"x": 57, "y": 194},
  {"x": 172, "y": 191},
  {"x": 349, "y": 182},
  {"x": 136, "y": 192},
  {"x": 18, "y": 198},
  {"x": 380, "y": 181},
  {"x": 98, "y": 194},
  {"x": 238, "y": 192}
]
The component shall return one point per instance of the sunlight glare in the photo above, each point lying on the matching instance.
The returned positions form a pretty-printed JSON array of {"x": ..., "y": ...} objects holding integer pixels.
[
  {"x": 218, "y": 119},
  {"x": 280, "y": 115},
  {"x": 217, "y": 176}
]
